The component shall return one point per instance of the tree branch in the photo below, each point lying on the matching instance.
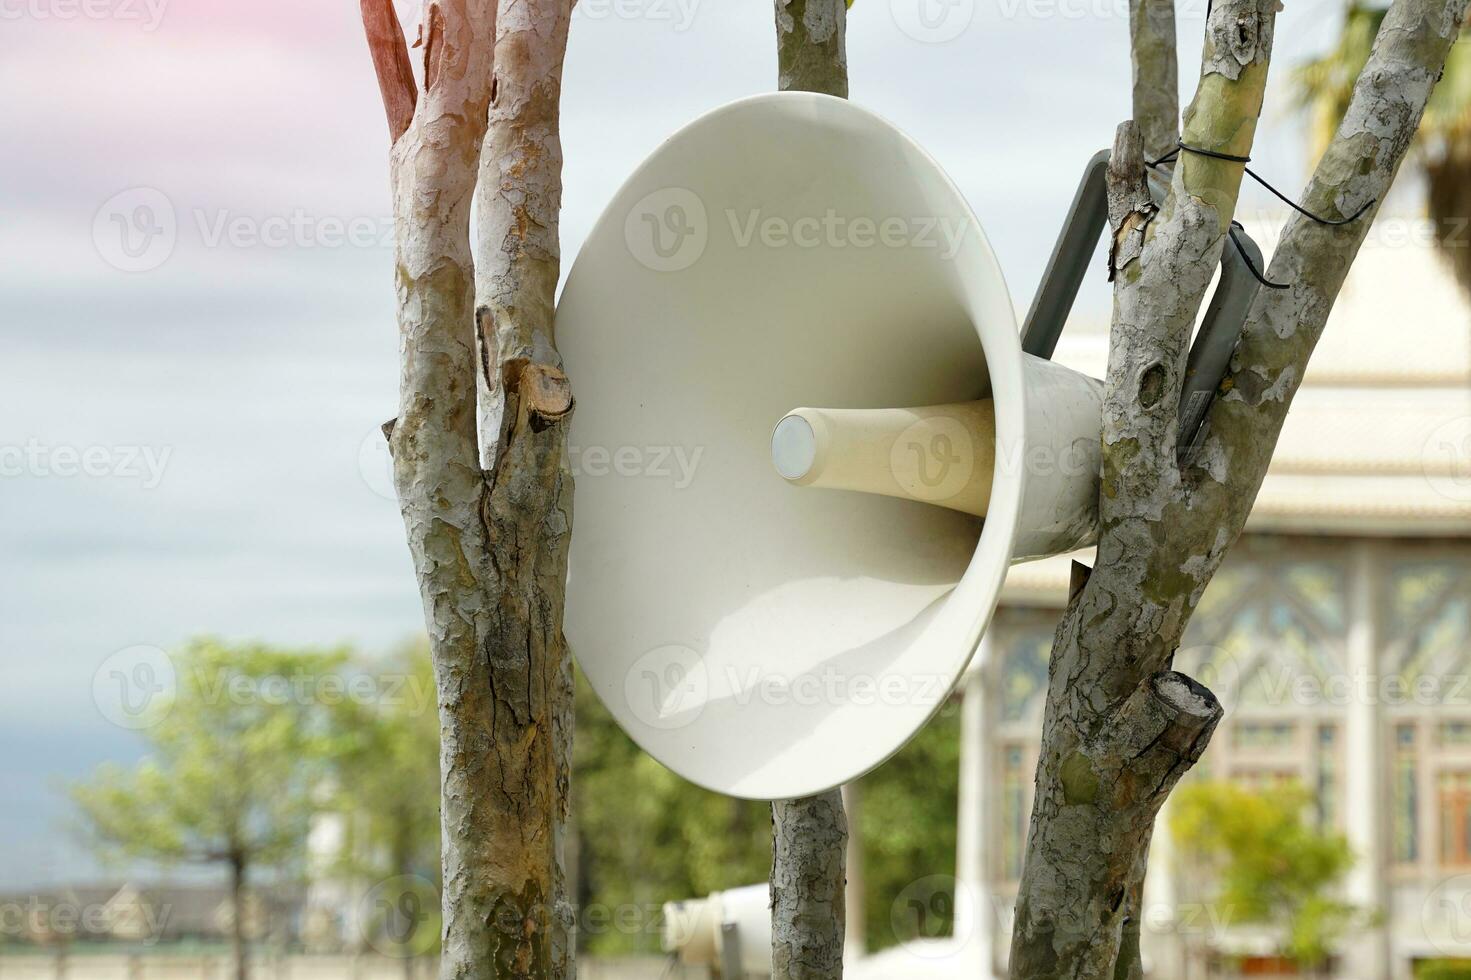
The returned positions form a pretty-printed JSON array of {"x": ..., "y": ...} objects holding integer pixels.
[
  {"x": 811, "y": 46},
  {"x": 1156, "y": 299},
  {"x": 1156, "y": 74},
  {"x": 1283, "y": 326},
  {"x": 1164, "y": 535},
  {"x": 525, "y": 405},
  {"x": 809, "y": 839},
  {"x": 1119, "y": 730},
  {"x": 391, "y": 64}
]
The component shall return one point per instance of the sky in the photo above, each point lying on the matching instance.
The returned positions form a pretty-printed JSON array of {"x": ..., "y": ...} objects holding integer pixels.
[{"x": 188, "y": 431}]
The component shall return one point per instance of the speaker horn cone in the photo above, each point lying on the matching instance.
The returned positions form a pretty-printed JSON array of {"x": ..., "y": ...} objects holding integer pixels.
[{"x": 771, "y": 640}]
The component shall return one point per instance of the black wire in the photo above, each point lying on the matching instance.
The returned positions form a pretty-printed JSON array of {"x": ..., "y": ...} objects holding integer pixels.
[
  {"x": 1250, "y": 265},
  {"x": 1168, "y": 157},
  {"x": 1304, "y": 211},
  {"x": 1232, "y": 158}
]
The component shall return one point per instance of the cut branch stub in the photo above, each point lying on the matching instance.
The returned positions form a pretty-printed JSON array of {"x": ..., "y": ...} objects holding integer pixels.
[
  {"x": 547, "y": 394},
  {"x": 1130, "y": 208},
  {"x": 1162, "y": 729}
]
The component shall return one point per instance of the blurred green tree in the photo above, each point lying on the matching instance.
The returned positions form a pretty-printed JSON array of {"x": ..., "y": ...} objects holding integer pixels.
[
  {"x": 255, "y": 741},
  {"x": 1443, "y": 143},
  {"x": 237, "y": 753},
  {"x": 907, "y": 822},
  {"x": 1267, "y": 863},
  {"x": 385, "y": 789},
  {"x": 645, "y": 836}
]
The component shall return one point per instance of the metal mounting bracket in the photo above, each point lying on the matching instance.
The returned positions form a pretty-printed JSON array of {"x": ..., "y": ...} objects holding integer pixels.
[{"x": 1210, "y": 353}]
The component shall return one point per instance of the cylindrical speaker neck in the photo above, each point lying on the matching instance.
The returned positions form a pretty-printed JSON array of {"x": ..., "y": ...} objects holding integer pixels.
[{"x": 939, "y": 454}]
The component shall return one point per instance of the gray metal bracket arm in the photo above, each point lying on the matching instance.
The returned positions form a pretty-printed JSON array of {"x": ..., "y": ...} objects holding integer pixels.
[{"x": 1210, "y": 352}]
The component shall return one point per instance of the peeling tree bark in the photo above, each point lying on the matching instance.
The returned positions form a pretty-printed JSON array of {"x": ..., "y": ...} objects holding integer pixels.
[
  {"x": 809, "y": 839},
  {"x": 1120, "y": 727},
  {"x": 489, "y": 541},
  {"x": 526, "y": 404},
  {"x": 811, "y": 46},
  {"x": 391, "y": 63}
]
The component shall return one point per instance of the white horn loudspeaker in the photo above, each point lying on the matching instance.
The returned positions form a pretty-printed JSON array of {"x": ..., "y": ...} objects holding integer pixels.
[{"x": 808, "y": 445}]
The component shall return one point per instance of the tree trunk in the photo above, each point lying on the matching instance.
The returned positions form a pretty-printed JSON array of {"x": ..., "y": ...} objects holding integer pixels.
[
  {"x": 811, "y": 46},
  {"x": 809, "y": 836},
  {"x": 809, "y": 840},
  {"x": 1120, "y": 727},
  {"x": 855, "y": 938},
  {"x": 237, "y": 925},
  {"x": 525, "y": 409},
  {"x": 1156, "y": 104},
  {"x": 479, "y": 462}
]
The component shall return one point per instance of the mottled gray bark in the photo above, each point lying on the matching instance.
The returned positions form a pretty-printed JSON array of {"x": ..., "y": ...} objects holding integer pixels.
[
  {"x": 489, "y": 541},
  {"x": 811, "y": 39},
  {"x": 1156, "y": 104},
  {"x": 854, "y": 889},
  {"x": 1130, "y": 962},
  {"x": 809, "y": 836},
  {"x": 809, "y": 840},
  {"x": 1120, "y": 727},
  {"x": 1156, "y": 75}
]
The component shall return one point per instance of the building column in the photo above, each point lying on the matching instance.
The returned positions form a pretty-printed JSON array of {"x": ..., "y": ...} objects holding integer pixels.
[
  {"x": 1368, "y": 955},
  {"x": 1159, "y": 935},
  {"x": 975, "y": 909}
]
